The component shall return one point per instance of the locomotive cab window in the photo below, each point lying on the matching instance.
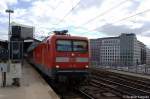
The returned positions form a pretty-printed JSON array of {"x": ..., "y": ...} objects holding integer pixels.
[
  {"x": 72, "y": 45},
  {"x": 80, "y": 46},
  {"x": 64, "y": 45}
]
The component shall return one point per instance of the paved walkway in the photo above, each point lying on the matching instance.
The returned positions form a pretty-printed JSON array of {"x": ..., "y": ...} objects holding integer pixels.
[{"x": 32, "y": 87}]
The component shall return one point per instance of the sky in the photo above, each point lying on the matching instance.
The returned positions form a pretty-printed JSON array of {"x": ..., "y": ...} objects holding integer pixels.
[{"x": 90, "y": 18}]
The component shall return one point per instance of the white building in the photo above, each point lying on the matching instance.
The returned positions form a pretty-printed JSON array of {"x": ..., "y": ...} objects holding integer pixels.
[
  {"x": 95, "y": 45},
  {"x": 124, "y": 50},
  {"x": 110, "y": 51},
  {"x": 147, "y": 56}
]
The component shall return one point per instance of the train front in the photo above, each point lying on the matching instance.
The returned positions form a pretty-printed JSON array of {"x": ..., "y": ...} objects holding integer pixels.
[{"x": 71, "y": 55}]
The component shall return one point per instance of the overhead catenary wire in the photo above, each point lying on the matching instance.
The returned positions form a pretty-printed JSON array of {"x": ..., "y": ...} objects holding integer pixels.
[
  {"x": 100, "y": 15},
  {"x": 125, "y": 18},
  {"x": 105, "y": 12},
  {"x": 62, "y": 19},
  {"x": 145, "y": 11}
]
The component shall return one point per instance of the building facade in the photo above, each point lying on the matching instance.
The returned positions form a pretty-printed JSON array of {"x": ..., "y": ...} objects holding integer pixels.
[
  {"x": 110, "y": 51},
  {"x": 95, "y": 45},
  {"x": 147, "y": 56},
  {"x": 124, "y": 50},
  {"x": 127, "y": 49}
]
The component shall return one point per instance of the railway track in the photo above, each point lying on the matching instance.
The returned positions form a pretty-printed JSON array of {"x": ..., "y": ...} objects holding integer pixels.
[
  {"x": 83, "y": 91},
  {"x": 123, "y": 84},
  {"x": 69, "y": 92},
  {"x": 97, "y": 92},
  {"x": 104, "y": 85}
]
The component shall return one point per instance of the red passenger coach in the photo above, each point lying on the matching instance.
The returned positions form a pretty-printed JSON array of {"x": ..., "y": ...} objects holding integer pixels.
[{"x": 62, "y": 54}]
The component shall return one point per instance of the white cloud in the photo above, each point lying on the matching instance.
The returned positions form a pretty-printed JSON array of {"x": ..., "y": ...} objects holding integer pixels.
[
  {"x": 44, "y": 14},
  {"x": 85, "y": 33},
  {"x": 11, "y": 2},
  {"x": 3, "y": 6},
  {"x": 64, "y": 8},
  {"x": 19, "y": 12},
  {"x": 82, "y": 16},
  {"x": 107, "y": 15},
  {"x": 3, "y": 34},
  {"x": 3, "y": 20},
  {"x": 143, "y": 5},
  {"x": 41, "y": 8},
  {"x": 136, "y": 25},
  {"x": 26, "y": 0},
  {"x": 144, "y": 39}
]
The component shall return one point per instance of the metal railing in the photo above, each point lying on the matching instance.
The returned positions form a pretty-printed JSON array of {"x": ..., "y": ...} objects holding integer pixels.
[{"x": 140, "y": 69}]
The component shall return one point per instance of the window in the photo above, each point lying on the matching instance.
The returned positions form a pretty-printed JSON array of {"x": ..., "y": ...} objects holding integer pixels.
[
  {"x": 80, "y": 46},
  {"x": 64, "y": 45},
  {"x": 72, "y": 45}
]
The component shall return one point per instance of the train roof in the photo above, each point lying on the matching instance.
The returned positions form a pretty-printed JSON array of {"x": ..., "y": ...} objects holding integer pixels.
[
  {"x": 56, "y": 36},
  {"x": 64, "y": 35},
  {"x": 67, "y": 37}
]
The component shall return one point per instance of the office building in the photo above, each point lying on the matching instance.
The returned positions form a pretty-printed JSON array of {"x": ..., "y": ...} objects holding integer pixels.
[{"x": 124, "y": 50}]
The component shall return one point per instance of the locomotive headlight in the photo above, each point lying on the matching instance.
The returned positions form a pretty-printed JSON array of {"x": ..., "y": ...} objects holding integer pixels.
[
  {"x": 57, "y": 66},
  {"x": 86, "y": 66}
]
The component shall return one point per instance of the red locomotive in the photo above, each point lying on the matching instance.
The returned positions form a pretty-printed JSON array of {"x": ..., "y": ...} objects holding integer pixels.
[{"x": 62, "y": 54}]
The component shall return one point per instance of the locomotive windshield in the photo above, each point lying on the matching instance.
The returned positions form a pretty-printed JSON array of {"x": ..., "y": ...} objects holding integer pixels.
[
  {"x": 72, "y": 45},
  {"x": 80, "y": 46},
  {"x": 64, "y": 45}
]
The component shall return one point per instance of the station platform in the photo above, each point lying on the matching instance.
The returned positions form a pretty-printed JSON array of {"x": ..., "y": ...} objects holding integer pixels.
[
  {"x": 32, "y": 86},
  {"x": 131, "y": 74}
]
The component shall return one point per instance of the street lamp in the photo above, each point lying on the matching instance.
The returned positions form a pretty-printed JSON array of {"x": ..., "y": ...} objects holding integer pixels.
[
  {"x": 9, "y": 33},
  {"x": 9, "y": 11}
]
